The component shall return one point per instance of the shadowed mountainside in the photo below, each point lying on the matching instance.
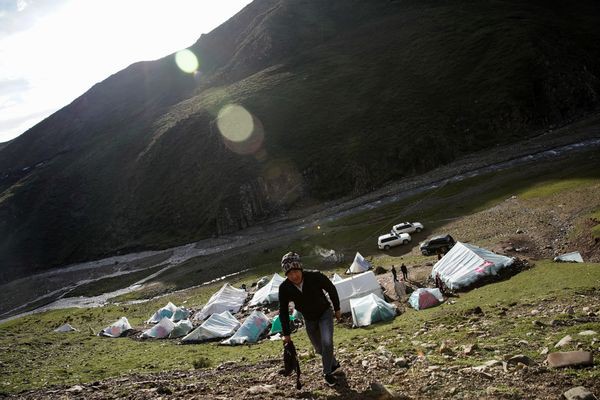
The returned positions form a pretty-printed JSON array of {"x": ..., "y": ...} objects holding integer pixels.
[{"x": 344, "y": 96}]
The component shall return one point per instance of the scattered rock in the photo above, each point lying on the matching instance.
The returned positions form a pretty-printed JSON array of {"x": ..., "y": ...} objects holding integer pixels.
[
  {"x": 519, "y": 231},
  {"x": 535, "y": 312},
  {"x": 261, "y": 389},
  {"x": 75, "y": 389},
  {"x": 569, "y": 310},
  {"x": 468, "y": 349},
  {"x": 383, "y": 392},
  {"x": 588, "y": 333},
  {"x": 564, "y": 341},
  {"x": 400, "y": 362},
  {"x": 544, "y": 351},
  {"x": 520, "y": 358},
  {"x": 569, "y": 359},
  {"x": 445, "y": 349},
  {"x": 522, "y": 343},
  {"x": 164, "y": 390},
  {"x": 579, "y": 393},
  {"x": 539, "y": 323}
]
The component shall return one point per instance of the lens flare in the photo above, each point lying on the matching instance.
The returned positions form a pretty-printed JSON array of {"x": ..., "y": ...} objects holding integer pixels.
[
  {"x": 235, "y": 123},
  {"x": 187, "y": 61}
]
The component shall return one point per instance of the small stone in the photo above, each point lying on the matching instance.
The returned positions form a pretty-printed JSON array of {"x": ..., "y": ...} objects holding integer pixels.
[
  {"x": 569, "y": 310},
  {"x": 75, "y": 389},
  {"x": 569, "y": 358},
  {"x": 261, "y": 389},
  {"x": 579, "y": 393},
  {"x": 523, "y": 343},
  {"x": 564, "y": 341},
  {"x": 588, "y": 333},
  {"x": 534, "y": 312},
  {"x": 383, "y": 392},
  {"x": 544, "y": 351},
  {"x": 469, "y": 348},
  {"x": 400, "y": 362},
  {"x": 585, "y": 309},
  {"x": 519, "y": 231},
  {"x": 520, "y": 358},
  {"x": 539, "y": 323}
]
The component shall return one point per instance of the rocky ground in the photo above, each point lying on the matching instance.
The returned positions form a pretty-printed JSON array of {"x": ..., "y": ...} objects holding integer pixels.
[{"x": 370, "y": 370}]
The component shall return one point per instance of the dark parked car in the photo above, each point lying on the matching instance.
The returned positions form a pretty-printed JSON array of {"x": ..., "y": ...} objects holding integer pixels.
[{"x": 442, "y": 243}]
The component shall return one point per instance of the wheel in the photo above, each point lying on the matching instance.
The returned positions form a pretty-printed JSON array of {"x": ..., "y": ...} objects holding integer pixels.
[
  {"x": 405, "y": 241},
  {"x": 418, "y": 230},
  {"x": 386, "y": 247}
]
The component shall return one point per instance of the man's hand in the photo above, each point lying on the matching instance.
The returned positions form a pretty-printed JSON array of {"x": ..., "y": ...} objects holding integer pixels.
[
  {"x": 287, "y": 339},
  {"x": 338, "y": 315}
]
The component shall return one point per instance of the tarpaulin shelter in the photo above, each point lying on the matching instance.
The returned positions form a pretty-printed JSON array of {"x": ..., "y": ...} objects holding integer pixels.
[
  {"x": 357, "y": 286},
  {"x": 574, "y": 256},
  {"x": 217, "y": 326},
  {"x": 159, "y": 331},
  {"x": 371, "y": 308},
  {"x": 359, "y": 265},
  {"x": 268, "y": 293},
  {"x": 181, "y": 328},
  {"x": 227, "y": 298},
  {"x": 465, "y": 263},
  {"x": 116, "y": 329},
  {"x": 170, "y": 311},
  {"x": 336, "y": 278},
  {"x": 252, "y": 328},
  {"x": 425, "y": 298},
  {"x": 276, "y": 324}
]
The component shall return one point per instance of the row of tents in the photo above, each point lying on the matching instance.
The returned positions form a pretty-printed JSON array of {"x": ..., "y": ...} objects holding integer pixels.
[{"x": 360, "y": 294}]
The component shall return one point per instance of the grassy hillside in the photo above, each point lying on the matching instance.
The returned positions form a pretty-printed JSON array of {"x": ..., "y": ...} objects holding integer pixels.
[
  {"x": 527, "y": 308},
  {"x": 344, "y": 96}
]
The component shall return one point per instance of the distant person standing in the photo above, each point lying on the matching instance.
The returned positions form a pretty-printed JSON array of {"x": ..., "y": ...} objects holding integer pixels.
[
  {"x": 307, "y": 290},
  {"x": 404, "y": 272},
  {"x": 394, "y": 274}
]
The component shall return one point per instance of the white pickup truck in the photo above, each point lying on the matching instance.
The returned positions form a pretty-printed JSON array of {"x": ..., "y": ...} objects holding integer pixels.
[{"x": 407, "y": 227}]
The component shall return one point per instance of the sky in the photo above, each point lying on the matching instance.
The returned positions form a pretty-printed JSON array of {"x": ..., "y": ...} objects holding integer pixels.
[{"x": 52, "y": 51}]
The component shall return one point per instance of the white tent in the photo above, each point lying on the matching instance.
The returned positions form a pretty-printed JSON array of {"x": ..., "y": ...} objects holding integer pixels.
[
  {"x": 336, "y": 278},
  {"x": 65, "y": 328},
  {"x": 357, "y": 286},
  {"x": 268, "y": 293},
  {"x": 359, "y": 265},
  {"x": 423, "y": 298},
  {"x": 369, "y": 309},
  {"x": 227, "y": 298},
  {"x": 165, "y": 312},
  {"x": 251, "y": 329},
  {"x": 465, "y": 263},
  {"x": 161, "y": 330},
  {"x": 116, "y": 329},
  {"x": 181, "y": 328},
  {"x": 569, "y": 257},
  {"x": 220, "y": 325}
]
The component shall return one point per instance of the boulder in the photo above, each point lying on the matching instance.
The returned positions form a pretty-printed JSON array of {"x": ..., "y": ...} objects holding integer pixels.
[
  {"x": 564, "y": 341},
  {"x": 569, "y": 359},
  {"x": 579, "y": 393}
]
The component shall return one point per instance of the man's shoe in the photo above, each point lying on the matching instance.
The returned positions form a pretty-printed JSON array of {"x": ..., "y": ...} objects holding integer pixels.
[
  {"x": 330, "y": 380},
  {"x": 335, "y": 367}
]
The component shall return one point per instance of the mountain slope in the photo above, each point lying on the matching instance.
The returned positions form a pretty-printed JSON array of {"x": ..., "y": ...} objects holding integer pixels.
[{"x": 343, "y": 96}]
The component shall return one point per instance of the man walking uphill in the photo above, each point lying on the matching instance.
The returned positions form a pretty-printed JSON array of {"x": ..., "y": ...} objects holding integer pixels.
[{"x": 305, "y": 289}]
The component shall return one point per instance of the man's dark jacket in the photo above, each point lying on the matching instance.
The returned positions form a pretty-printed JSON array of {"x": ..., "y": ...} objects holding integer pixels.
[{"x": 311, "y": 301}]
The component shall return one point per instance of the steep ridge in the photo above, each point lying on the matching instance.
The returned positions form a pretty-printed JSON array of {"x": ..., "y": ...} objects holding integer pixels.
[{"x": 344, "y": 96}]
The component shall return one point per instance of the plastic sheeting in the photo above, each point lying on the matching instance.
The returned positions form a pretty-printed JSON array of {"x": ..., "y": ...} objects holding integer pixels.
[
  {"x": 569, "y": 257},
  {"x": 276, "y": 324},
  {"x": 117, "y": 328},
  {"x": 165, "y": 312},
  {"x": 181, "y": 328},
  {"x": 357, "y": 286},
  {"x": 425, "y": 298},
  {"x": 336, "y": 278},
  {"x": 217, "y": 326},
  {"x": 369, "y": 309},
  {"x": 65, "y": 328},
  {"x": 227, "y": 298},
  {"x": 358, "y": 265},
  {"x": 465, "y": 263},
  {"x": 268, "y": 293},
  {"x": 254, "y": 326},
  {"x": 159, "y": 331}
]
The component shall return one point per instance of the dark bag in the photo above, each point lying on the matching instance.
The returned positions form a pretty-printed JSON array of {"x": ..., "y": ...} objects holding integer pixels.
[{"x": 290, "y": 362}]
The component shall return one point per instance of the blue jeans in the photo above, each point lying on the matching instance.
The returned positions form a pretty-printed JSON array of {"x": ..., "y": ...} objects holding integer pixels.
[{"x": 320, "y": 333}]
